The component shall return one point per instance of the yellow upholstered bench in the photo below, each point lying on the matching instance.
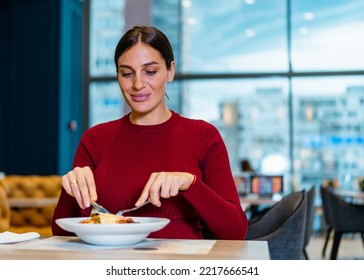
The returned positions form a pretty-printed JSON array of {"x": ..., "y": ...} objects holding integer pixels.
[
  {"x": 4, "y": 210},
  {"x": 32, "y": 200}
]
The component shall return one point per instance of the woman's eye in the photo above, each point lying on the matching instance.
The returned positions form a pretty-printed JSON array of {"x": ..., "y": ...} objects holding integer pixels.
[
  {"x": 126, "y": 74},
  {"x": 151, "y": 72}
]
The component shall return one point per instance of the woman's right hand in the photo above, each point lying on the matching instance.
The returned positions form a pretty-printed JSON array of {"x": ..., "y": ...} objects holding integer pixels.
[{"x": 80, "y": 184}]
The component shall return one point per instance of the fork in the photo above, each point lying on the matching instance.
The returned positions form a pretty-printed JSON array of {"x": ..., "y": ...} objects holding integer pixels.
[
  {"x": 121, "y": 212},
  {"x": 99, "y": 208},
  {"x": 103, "y": 210}
]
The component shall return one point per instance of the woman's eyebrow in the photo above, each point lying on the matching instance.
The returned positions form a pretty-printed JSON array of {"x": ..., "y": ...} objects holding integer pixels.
[
  {"x": 150, "y": 63},
  {"x": 145, "y": 64}
]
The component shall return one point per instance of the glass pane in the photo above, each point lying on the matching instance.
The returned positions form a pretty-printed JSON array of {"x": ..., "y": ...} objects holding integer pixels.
[
  {"x": 174, "y": 96},
  {"x": 328, "y": 129},
  {"x": 165, "y": 15},
  {"x": 327, "y": 35},
  {"x": 252, "y": 129},
  {"x": 105, "y": 103},
  {"x": 106, "y": 27},
  {"x": 236, "y": 36}
]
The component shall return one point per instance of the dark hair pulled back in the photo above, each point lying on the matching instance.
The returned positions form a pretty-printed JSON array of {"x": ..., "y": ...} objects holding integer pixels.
[{"x": 148, "y": 35}]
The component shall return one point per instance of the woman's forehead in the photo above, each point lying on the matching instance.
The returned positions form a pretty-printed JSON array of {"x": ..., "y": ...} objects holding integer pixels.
[{"x": 140, "y": 52}]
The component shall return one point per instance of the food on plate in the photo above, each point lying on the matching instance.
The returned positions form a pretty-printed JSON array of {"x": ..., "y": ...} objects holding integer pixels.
[{"x": 100, "y": 218}]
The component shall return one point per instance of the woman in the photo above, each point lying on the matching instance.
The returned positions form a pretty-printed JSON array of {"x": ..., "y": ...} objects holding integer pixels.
[{"x": 180, "y": 164}]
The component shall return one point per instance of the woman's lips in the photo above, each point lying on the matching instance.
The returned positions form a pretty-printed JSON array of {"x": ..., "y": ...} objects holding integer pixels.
[{"x": 139, "y": 97}]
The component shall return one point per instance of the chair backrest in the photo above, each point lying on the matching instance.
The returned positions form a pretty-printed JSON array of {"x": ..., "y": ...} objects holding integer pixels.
[
  {"x": 343, "y": 216},
  {"x": 325, "y": 206},
  {"x": 311, "y": 194},
  {"x": 283, "y": 226}
]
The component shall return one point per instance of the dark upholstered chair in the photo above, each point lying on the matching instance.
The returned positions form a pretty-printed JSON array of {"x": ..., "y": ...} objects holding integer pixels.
[
  {"x": 311, "y": 194},
  {"x": 344, "y": 217},
  {"x": 283, "y": 226},
  {"x": 327, "y": 218}
]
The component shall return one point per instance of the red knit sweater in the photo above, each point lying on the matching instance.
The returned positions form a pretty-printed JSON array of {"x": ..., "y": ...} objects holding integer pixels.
[{"x": 122, "y": 156}]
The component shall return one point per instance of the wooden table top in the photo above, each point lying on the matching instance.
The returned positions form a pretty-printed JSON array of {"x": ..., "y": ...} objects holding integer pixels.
[
  {"x": 72, "y": 248},
  {"x": 350, "y": 193},
  {"x": 351, "y": 196},
  {"x": 255, "y": 200},
  {"x": 29, "y": 202}
]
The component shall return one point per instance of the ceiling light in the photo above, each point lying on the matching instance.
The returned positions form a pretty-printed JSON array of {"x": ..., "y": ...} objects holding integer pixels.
[{"x": 308, "y": 16}]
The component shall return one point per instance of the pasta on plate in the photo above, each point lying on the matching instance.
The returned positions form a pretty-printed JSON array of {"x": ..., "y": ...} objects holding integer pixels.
[{"x": 100, "y": 218}]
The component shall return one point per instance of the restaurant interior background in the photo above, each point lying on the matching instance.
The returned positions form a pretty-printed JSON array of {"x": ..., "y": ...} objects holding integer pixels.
[{"x": 282, "y": 80}]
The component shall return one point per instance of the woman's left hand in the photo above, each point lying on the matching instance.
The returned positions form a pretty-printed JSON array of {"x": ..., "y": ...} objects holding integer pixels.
[{"x": 165, "y": 185}]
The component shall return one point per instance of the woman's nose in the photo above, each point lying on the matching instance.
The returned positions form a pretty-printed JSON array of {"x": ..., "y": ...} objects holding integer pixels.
[{"x": 138, "y": 82}]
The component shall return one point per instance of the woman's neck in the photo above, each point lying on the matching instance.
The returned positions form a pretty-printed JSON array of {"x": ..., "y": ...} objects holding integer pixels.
[{"x": 150, "y": 118}]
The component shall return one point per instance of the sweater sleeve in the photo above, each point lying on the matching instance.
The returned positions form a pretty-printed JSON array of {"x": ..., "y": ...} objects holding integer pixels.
[
  {"x": 67, "y": 205},
  {"x": 220, "y": 209}
]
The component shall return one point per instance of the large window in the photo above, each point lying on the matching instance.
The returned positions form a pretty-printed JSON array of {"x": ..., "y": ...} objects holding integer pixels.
[
  {"x": 235, "y": 37},
  {"x": 283, "y": 81},
  {"x": 328, "y": 129},
  {"x": 327, "y": 35}
]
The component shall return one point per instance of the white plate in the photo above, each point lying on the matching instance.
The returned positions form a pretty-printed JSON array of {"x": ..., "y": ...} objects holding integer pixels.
[{"x": 113, "y": 234}]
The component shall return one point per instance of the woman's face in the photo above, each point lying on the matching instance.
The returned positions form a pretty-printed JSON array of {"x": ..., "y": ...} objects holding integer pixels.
[{"x": 142, "y": 77}]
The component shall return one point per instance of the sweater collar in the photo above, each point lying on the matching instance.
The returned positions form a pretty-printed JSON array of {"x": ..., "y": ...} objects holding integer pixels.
[{"x": 151, "y": 128}]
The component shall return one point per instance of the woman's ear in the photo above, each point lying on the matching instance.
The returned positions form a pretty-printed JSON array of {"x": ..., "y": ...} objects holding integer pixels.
[{"x": 171, "y": 72}]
